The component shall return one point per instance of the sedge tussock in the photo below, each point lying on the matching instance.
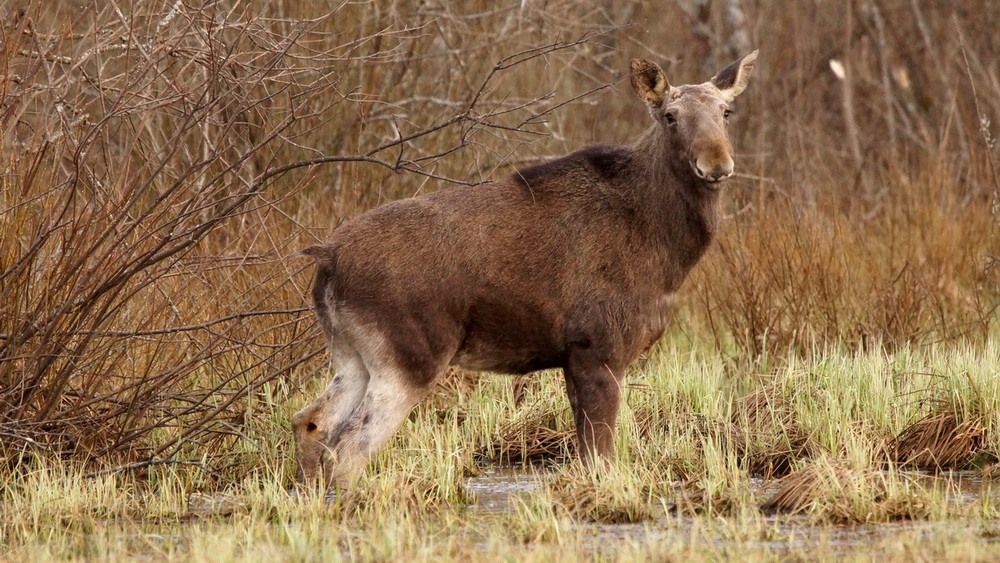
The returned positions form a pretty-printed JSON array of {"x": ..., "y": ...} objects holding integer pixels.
[
  {"x": 650, "y": 420},
  {"x": 534, "y": 438},
  {"x": 991, "y": 471},
  {"x": 675, "y": 444},
  {"x": 775, "y": 437},
  {"x": 402, "y": 492},
  {"x": 696, "y": 498},
  {"x": 607, "y": 497},
  {"x": 839, "y": 493},
  {"x": 940, "y": 441},
  {"x": 448, "y": 391},
  {"x": 765, "y": 409},
  {"x": 455, "y": 381}
]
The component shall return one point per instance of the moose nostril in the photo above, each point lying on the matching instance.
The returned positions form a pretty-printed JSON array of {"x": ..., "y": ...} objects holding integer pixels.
[
  {"x": 713, "y": 173},
  {"x": 716, "y": 172}
]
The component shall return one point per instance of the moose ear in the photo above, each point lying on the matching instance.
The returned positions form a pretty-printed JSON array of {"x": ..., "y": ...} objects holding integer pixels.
[
  {"x": 732, "y": 80},
  {"x": 649, "y": 81}
]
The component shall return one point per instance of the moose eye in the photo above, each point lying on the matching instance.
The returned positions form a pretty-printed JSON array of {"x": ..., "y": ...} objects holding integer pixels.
[{"x": 671, "y": 120}]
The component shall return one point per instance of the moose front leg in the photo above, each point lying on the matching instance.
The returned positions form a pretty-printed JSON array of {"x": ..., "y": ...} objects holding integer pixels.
[{"x": 594, "y": 391}]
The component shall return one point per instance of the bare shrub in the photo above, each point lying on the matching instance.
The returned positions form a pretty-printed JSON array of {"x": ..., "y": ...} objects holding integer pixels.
[
  {"x": 155, "y": 163},
  {"x": 128, "y": 141}
]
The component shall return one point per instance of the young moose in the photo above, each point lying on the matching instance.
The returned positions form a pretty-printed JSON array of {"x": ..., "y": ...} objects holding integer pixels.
[{"x": 571, "y": 264}]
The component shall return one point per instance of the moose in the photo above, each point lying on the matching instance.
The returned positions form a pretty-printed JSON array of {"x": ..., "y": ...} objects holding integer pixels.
[{"x": 569, "y": 264}]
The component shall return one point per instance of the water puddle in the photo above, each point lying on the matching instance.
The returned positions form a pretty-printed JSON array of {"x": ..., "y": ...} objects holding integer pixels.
[
  {"x": 495, "y": 489},
  {"x": 961, "y": 486}
]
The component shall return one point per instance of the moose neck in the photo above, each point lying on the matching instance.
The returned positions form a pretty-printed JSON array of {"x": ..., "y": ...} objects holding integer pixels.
[{"x": 682, "y": 209}]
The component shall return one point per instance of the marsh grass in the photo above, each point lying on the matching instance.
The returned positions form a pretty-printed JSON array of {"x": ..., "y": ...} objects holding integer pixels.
[
  {"x": 619, "y": 494},
  {"x": 774, "y": 437},
  {"x": 673, "y": 482},
  {"x": 845, "y": 494},
  {"x": 535, "y": 437}
]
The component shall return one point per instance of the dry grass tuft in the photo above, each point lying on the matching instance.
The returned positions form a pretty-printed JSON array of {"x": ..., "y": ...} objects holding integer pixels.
[
  {"x": 405, "y": 491},
  {"x": 455, "y": 382},
  {"x": 650, "y": 419},
  {"x": 807, "y": 488},
  {"x": 694, "y": 499},
  {"x": 991, "y": 471},
  {"x": 534, "y": 438},
  {"x": 774, "y": 436},
  {"x": 845, "y": 495},
  {"x": 940, "y": 442},
  {"x": 587, "y": 497},
  {"x": 653, "y": 424}
]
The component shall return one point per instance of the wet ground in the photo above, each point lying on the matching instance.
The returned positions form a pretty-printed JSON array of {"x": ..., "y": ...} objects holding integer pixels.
[{"x": 496, "y": 491}]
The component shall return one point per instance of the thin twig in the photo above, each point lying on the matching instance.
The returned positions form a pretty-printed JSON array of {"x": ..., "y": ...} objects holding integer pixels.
[
  {"x": 199, "y": 326},
  {"x": 141, "y": 465}
]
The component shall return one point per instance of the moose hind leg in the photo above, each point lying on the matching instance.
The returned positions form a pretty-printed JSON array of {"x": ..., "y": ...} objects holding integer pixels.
[
  {"x": 316, "y": 427},
  {"x": 387, "y": 402}
]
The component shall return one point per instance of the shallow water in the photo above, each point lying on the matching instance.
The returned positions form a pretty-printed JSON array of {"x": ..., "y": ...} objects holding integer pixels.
[
  {"x": 497, "y": 489},
  {"x": 962, "y": 486}
]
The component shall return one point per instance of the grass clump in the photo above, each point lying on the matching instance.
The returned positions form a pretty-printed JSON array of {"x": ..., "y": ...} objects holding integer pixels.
[
  {"x": 839, "y": 493},
  {"x": 536, "y": 437},
  {"x": 942, "y": 441},
  {"x": 775, "y": 438},
  {"x": 613, "y": 495}
]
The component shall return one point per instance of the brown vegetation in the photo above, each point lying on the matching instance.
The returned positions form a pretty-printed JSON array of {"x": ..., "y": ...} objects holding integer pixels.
[
  {"x": 940, "y": 441},
  {"x": 774, "y": 438},
  {"x": 535, "y": 437},
  {"x": 842, "y": 494},
  {"x": 586, "y": 499},
  {"x": 162, "y": 167}
]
